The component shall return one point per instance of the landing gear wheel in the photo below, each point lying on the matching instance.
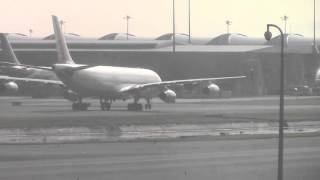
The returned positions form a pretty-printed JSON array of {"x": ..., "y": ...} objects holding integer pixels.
[
  {"x": 105, "y": 106},
  {"x": 80, "y": 106},
  {"x": 105, "y": 103},
  {"x": 147, "y": 106},
  {"x": 134, "y": 107}
]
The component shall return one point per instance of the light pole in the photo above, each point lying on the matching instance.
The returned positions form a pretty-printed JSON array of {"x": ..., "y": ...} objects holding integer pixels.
[
  {"x": 189, "y": 21},
  {"x": 285, "y": 19},
  {"x": 127, "y": 18},
  {"x": 30, "y": 32},
  {"x": 228, "y": 22},
  {"x": 63, "y": 26},
  {"x": 173, "y": 27},
  {"x": 268, "y": 36},
  {"x": 314, "y": 28}
]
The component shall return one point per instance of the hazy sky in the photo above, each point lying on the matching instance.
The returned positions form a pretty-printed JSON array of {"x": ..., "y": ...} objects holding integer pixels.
[{"x": 151, "y": 18}]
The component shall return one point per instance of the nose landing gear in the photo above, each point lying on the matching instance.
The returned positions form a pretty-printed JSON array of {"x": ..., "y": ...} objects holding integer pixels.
[
  {"x": 105, "y": 104},
  {"x": 148, "y": 105}
]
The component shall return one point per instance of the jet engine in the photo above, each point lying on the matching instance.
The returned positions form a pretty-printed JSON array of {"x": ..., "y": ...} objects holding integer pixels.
[
  {"x": 318, "y": 77},
  {"x": 70, "y": 95},
  {"x": 168, "y": 96},
  {"x": 10, "y": 87},
  {"x": 211, "y": 89}
]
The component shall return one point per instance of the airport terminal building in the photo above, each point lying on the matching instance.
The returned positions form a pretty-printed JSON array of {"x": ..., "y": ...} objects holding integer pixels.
[{"x": 224, "y": 55}]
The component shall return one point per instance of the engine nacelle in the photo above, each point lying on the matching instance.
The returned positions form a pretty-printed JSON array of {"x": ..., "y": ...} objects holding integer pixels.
[
  {"x": 10, "y": 87},
  {"x": 168, "y": 96},
  {"x": 70, "y": 95},
  {"x": 318, "y": 77},
  {"x": 211, "y": 89}
]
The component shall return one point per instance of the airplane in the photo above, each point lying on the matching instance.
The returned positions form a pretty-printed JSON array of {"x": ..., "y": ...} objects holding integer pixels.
[
  {"x": 111, "y": 83},
  {"x": 13, "y": 68}
]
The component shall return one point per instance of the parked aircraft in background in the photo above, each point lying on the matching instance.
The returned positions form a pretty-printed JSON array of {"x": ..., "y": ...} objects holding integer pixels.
[{"x": 12, "y": 67}]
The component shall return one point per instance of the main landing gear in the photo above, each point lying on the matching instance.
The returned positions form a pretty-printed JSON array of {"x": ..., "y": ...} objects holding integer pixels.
[
  {"x": 105, "y": 104},
  {"x": 148, "y": 105},
  {"x": 135, "y": 106},
  {"x": 80, "y": 106}
]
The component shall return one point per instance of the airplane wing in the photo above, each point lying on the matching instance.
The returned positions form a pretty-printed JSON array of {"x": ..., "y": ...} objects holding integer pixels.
[
  {"x": 47, "y": 68},
  {"x": 164, "y": 84},
  {"x": 44, "y": 81},
  {"x": 6, "y": 64}
]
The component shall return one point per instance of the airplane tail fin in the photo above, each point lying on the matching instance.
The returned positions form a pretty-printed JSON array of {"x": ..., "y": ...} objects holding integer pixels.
[
  {"x": 61, "y": 45},
  {"x": 7, "y": 50}
]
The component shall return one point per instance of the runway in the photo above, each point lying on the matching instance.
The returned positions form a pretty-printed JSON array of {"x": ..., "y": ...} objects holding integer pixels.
[{"x": 213, "y": 159}]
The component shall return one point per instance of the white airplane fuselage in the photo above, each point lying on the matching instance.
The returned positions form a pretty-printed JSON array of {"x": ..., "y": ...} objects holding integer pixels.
[{"x": 103, "y": 81}]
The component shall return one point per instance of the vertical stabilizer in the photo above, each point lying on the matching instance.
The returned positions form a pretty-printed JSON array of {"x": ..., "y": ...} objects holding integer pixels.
[
  {"x": 61, "y": 45},
  {"x": 7, "y": 50}
]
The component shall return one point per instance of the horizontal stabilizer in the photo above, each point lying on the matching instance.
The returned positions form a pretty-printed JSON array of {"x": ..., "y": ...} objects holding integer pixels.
[
  {"x": 70, "y": 69},
  {"x": 2, "y": 63},
  {"x": 42, "y": 81}
]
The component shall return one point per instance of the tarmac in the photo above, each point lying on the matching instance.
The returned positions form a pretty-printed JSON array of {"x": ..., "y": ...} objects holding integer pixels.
[
  {"x": 243, "y": 159},
  {"x": 232, "y": 138},
  {"x": 41, "y": 113},
  {"x": 26, "y": 120}
]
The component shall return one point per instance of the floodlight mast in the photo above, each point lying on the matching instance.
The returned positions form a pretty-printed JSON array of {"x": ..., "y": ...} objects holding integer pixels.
[
  {"x": 228, "y": 23},
  {"x": 173, "y": 27},
  {"x": 63, "y": 26},
  {"x": 127, "y": 18},
  {"x": 314, "y": 27},
  {"x": 189, "y": 5},
  {"x": 285, "y": 18}
]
